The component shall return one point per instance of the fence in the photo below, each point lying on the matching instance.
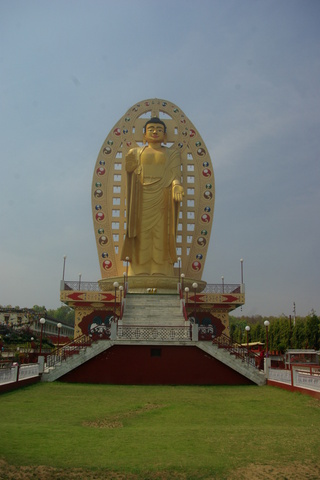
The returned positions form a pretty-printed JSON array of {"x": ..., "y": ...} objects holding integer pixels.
[
  {"x": 159, "y": 333},
  {"x": 299, "y": 377},
  {"x": 18, "y": 373}
]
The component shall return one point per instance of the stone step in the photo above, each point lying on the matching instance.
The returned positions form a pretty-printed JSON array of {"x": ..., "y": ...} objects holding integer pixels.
[{"x": 153, "y": 310}]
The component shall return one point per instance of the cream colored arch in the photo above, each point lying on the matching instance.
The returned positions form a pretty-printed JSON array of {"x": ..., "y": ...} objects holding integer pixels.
[{"x": 109, "y": 187}]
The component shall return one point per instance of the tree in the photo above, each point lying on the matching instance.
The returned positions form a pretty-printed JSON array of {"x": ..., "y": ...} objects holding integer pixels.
[
  {"x": 312, "y": 331},
  {"x": 299, "y": 334},
  {"x": 63, "y": 314}
]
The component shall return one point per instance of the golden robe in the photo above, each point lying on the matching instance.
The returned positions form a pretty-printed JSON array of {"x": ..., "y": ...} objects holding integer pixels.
[{"x": 152, "y": 214}]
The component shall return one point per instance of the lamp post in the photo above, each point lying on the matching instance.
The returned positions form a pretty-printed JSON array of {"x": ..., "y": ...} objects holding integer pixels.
[
  {"x": 247, "y": 330},
  {"x": 42, "y": 322},
  {"x": 121, "y": 290},
  {"x": 182, "y": 279},
  {"x": 179, "y": 262},
  {"x": 80, "y": 275},
  {"x": 64, "y": 266},
  {"x": 195, "y": 286},
  {"x": 59, "y": 325},
  {"x": 266, "y": 323},
  {"x": 222, "y": 281},
  {"x": 127, "y": 266},
  {"x": 187, "y": 291},
  {"x": 241, "y": 270},
  {"x": 124, "y": 283},
  {"x": 116, "y": 285}
]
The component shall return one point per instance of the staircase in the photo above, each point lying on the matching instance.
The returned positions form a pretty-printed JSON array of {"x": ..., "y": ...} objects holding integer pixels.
[
  {"x": 61, "y": 368},
  {"x": 153, "y": 310},
  {"x": 239, "y": 365},
  {"x": 153, "y": 318}
]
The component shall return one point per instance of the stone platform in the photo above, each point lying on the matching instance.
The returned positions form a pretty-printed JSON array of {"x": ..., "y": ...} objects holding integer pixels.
[{"x": 158, "y": 283}]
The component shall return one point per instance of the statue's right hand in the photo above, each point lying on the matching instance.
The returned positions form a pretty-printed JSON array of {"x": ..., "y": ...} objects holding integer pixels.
[{"x": 131, "y": 161}]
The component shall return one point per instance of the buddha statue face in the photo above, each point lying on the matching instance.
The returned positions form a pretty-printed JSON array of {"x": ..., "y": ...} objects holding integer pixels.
[{"x": 154, "y": 133}]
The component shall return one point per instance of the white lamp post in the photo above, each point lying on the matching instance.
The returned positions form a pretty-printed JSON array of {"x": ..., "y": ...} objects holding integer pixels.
[
  {"x": 266, "y": 324},
  {"x": 42, "y": 322},
  {"x": 127, "y": 266},
  {"x": 116, "y": 285},
  {"x": 195, "y": 286},
  {"x": 182, "y": 280},
  {"x": 59, "y": 325},
  {"x": 187, "y": 291},
  {"x": 121, "y": 290},
  {"x": 247, "y": 328}
]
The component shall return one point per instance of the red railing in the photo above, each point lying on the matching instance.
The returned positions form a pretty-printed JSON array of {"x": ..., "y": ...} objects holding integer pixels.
[
  {"x": 76, "y": 346},
  {"x": 245, "y": 354}
]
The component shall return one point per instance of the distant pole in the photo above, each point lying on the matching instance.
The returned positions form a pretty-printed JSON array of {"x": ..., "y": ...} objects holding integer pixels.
[
  {"x": 294, "y": 314},
  {"x": 64, "y": 266},
  {"x": 290, "y": 331},
  {"x": 266, "y": 324},
  {"x": 80, "y": 281},
  {"x": 241, "y": 270},
  {"x": 222, "y": 281}
]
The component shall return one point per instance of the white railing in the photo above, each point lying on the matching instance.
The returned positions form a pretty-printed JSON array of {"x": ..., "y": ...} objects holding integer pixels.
[
  {"x": 306, "y": 379},
  {"x": 282, "y": 376},
  {"x": 28, "y": 371},
  {"x": 8, "y": 375},
  {"x": 16, "y": 373},
  {"x": 151, "y": 333},
  {"x": 299, "y": 377}
]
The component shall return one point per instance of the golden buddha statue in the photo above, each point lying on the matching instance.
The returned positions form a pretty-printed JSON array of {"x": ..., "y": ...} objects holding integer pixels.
[{"x": 153, "y": 198}]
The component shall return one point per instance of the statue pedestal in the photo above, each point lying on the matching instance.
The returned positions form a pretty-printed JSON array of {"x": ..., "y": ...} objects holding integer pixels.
[{"x": 156, "y": 284}]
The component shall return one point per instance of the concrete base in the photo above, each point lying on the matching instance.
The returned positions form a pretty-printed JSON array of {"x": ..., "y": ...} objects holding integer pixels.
[{"x": 157, "y": 364}]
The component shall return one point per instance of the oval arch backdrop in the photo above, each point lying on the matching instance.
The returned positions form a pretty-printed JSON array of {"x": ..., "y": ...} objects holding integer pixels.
[{"x": 109, "y": 187}]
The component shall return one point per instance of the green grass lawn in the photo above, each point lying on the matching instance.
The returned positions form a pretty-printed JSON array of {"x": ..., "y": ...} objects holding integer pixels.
[{"x": 160, "y": 431}]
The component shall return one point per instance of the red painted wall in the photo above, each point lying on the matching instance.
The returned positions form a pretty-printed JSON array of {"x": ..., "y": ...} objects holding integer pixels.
[{"x": 135, "y": 365}]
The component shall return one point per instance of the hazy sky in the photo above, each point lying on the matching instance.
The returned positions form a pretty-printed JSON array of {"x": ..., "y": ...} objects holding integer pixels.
[{"x": 245, "y": 72}]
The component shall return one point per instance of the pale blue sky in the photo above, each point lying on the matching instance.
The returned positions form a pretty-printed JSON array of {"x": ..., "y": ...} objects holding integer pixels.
[{"x": 246, "y": 73}]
